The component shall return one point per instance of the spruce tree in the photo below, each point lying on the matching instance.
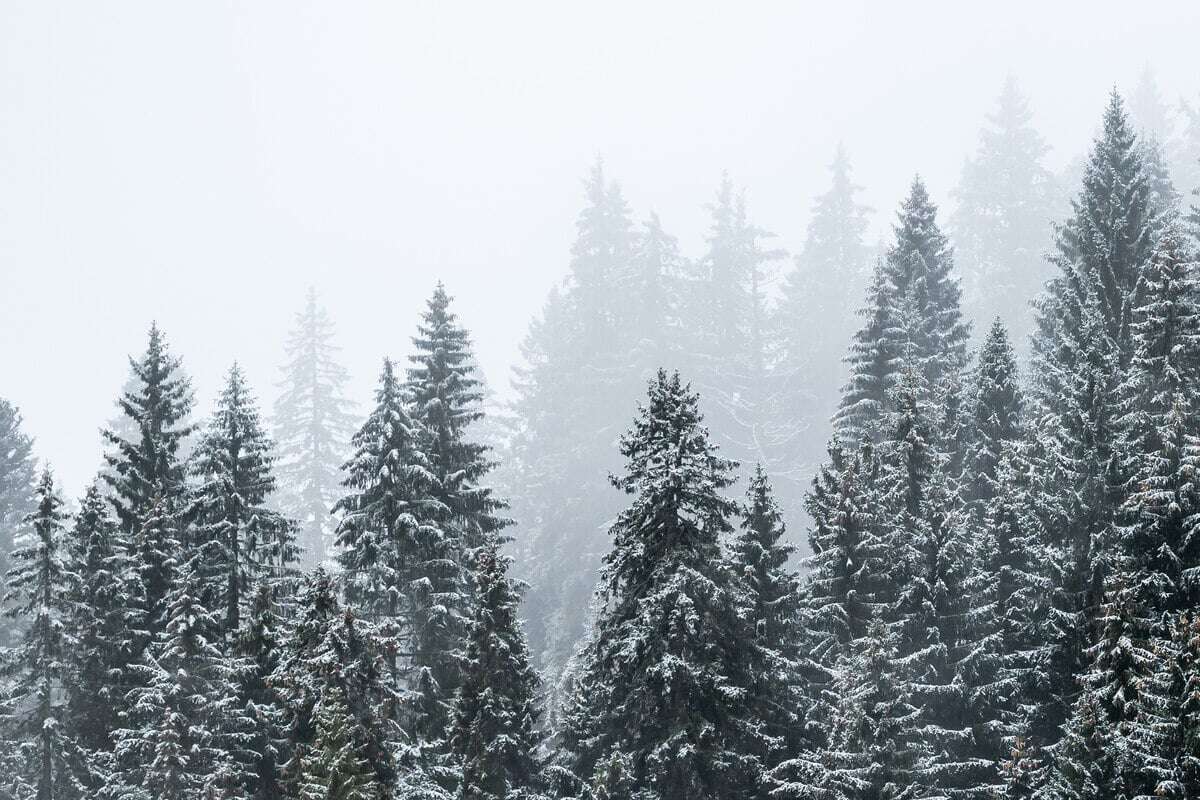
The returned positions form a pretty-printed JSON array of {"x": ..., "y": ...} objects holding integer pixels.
[
  {"x": 728, "y": 309},
  {"x": 104, "y": 619},
  {"x": 445, "y": 395},
  {"x": 146, "y": 472},
  {"x": 656, "y": 710},
  {"x": 993, "y": 416},
  {"x": 912, "y": 319},
  {"x": 184, "y": 733},
  {"x": 16, "y": 486},
  {"x": 402, "y": 568},
  {"x": 312, "y": 424},
  {"x": 495, "y": 734},
  {"x": 257, "y": 650},
  {"x": 1001, "y": 226},
  {"x": 767, "y": 595},
  {"x": 48, "y": 760},
  {"x": 333, "y": 680},
  {"x": 243, "y": 540},
  {"x": 812, "y": 329},
  {"x": 573, "y": 392}
]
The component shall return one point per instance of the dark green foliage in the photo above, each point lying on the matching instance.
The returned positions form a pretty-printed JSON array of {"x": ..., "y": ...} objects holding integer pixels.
[{"x": 494, "y": 734}]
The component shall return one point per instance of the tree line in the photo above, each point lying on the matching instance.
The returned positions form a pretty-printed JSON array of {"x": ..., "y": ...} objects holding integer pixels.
[{"x": 998, "y": 600}]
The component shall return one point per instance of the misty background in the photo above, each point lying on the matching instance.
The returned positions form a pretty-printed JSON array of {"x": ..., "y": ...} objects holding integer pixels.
[{"x": 203, "y": 164}]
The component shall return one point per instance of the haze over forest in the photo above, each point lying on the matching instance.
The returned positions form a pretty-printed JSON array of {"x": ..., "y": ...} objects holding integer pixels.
[
  {"x": 612, "y": 404},
  {"x": 150, "y": 156}
]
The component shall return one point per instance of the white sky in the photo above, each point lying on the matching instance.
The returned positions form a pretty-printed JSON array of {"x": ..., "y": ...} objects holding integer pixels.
[{"x": 202, "y": 163}]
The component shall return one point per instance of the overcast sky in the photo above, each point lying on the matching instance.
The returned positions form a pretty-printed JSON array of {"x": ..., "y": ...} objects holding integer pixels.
[{"x": 202, "y": 163}]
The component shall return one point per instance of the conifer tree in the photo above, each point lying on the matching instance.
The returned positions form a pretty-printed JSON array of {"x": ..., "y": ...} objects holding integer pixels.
[
  {"x": 243, "y": 540},
  {"x": 312, "y": 424},
  {"x": 103, "y": 617},
  {"x": 994, "y": 416},
  {"x": 495, "y": 734},
  {"x": 184, "y": 733},
  {"x": 48, "y": 760},
  {"x": 146, "y": 472},
  {"x": 930, "y": 560},
  {"x": 812, "y": 328},
  {"x": 573, "y": 393},
  {"x": 767, "y": 596},
  {"x": 729, "y": 351},
  {"x": 402, "y": 568},
  {"x": 16, "y": 486},
  {"x": 334, "y": 664},
  {"x": 445, "y": 395},
  {"x": 257, "y": 650},
  {"x": 912, "y": 319},
  {"x": 655, "y": 709},
  {"x": 1006, "y": 199}
]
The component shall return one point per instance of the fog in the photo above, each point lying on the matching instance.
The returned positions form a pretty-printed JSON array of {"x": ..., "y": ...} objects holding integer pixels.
[{"x": 202, "y": 165}]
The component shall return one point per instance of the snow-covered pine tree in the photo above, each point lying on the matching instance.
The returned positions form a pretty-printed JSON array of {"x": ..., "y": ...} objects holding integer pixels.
[
  {"x": 495, "y": 736},
  {"x": 876, "y": 748},
  {"x": 103, "y": 617},
  {"x": 445, "y": 395},
  {"x": 256, "y": 647},
  {"x": 48, "y": 760},
  {"x": 1082, "y": 344},
  {"x": 656, "y": 707},
  {"x": 333, "y": 662},
  {"x": 146, "y": 474},
  {"x": 728, "y": 351},
  {"x": 993, "y": 417},
  {"x": 1111, "y": 745},
  {"x": 573, "y": 393},
  {"x": 334, "y": 767},
  {"x": 184, "y": 732},
  {"x": 1001, "y": 226},
  {"x": 652, "y": 321},
  {"x": 778, "y": 701},
  {"x": 811, "y": 327},
  {"x": 1159, "y": 399},
  {"x": 930, "y": 559},
  {"x": 1000, "y": 661},
  {"x": 243, "y": 540},
  {"x": 912, "y": 319},
  {"x": 403, "y": 569},
  {"x": 16, "y": 486},
  {"x": 312, "y": 424}
]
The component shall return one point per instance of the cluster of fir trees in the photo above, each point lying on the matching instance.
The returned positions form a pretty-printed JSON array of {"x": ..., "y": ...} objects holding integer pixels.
[
  {"x": 1001, "y": 597},
  {"x": 768, "y": 363},
  {"x": 165, "y": 645}
]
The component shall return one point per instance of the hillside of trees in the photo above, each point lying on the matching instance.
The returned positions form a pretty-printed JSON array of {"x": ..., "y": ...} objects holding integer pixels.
[{"x": 726, "y": 540}]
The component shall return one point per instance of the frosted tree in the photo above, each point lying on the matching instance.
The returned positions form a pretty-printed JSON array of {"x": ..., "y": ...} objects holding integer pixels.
[
  {"x": 339, "y": 699},
  {"x": 403, "y": 569},
  {"x": 184, "y": 734},
  {"x": 48, "y": 760},
  {"x": 104, "y": 619},
  {"x": 778, "y": 704},
  {"x": 256, "y": 647},
  {"x": 993, "y": 416},
  {"x": 573, "y": 394},
  {"x": 655, "y": 708},
  {"x": 312, "y": 424},
  {"x": 495, "y": 735},
  {"x": 446, "y": 397},
  {"x": 16, "y": 485},
  {"x": 912, "y": 317},
  {"x": 243, "y": 540},
  {"x": 811, "y": 326},
  {"x": 728, "y": 351},
  {"x": 146, "y": 474},
  {"x": 1001, "y": 226},
  {"x": 1082, "y": 344}
]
